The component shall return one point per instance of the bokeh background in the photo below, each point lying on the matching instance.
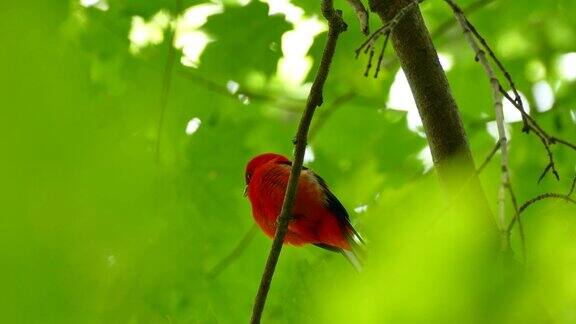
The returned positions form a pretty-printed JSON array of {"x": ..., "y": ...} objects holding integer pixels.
[{"x": 126, "y": 126}]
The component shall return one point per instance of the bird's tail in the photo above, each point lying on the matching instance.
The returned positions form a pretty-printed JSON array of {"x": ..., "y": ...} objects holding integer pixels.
[{"x": 356, "y": 253}]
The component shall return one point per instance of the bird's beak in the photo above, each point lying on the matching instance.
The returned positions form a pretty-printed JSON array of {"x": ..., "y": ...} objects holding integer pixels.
[{"x": 245, "y": 191}]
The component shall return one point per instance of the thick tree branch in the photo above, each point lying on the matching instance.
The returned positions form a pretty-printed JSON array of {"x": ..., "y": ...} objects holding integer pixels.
[
  {"x": 369, "y": 45},
  {"x": 444, "y": 27},
  {"x": 436, "y": 106},
  {"x": 428, "y": 82},
  {"x": 335, "y": 27}
]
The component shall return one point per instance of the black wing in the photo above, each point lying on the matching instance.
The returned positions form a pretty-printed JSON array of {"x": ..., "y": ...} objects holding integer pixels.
[
  {"x": 334, "y": 205},
  {"x": 338, "y": 209}
]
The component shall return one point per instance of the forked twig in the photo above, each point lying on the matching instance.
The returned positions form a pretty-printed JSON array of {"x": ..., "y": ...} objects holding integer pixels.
[
  {"x": 235, "y": 253},
  {"x": 368, "y": 46}
]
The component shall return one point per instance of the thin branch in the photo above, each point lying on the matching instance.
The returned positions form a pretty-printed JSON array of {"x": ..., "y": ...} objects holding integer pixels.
[
  {"x": 234, "y": 254},
  {"x": 381, "y": 56},
  {"x": 520, "y": 225},
  {"x": 499, "y": 113},
  {"x": 444, "y": 27},
  {"x": 554, "y": 140},
  {"x": 361, "y": 14},
  {"x": 495, "y": 149},
  {"x": 529, "y": 123},
  {"x": 542, "y": 197},
  {"x": 473, "y": 37},
  {"x": 546, "y": 139},
  {"x": 468, "y": 10},
  {"x": 459, "y": 12},
  {"x": 368, "y": 46},
  {"x": 323, "y": 116},
  {"x": 335, "y": 26},
  {"x": 566, "y": 197},
  {"x": 489, "y": 157}
]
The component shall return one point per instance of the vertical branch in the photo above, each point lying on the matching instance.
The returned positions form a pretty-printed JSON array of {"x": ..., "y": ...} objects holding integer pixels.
[
  {"x": 501, "y": 125},
  {"x": 437, "y": 108},
  {"x": 335, "y": 27}
]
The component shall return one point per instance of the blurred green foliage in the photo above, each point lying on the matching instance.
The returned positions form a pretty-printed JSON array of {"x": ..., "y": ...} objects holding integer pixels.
[{"x": 97, "y": 226}]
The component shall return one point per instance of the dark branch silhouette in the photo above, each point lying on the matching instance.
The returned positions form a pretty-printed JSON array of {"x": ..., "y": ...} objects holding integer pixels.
[
  {"x": 549, "y": 195},
  {"x": 369, "y": 44}
]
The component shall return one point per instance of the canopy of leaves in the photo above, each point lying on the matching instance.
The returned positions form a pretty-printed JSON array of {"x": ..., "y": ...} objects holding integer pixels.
[{"x": 122, "y": 168}]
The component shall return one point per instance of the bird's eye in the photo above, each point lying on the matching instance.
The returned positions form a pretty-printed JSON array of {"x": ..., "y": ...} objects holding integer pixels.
[{"x": 248, "y": 175}]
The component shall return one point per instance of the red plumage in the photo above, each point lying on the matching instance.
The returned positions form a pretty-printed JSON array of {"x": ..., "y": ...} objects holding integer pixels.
[{"x": 318, "y": 217}]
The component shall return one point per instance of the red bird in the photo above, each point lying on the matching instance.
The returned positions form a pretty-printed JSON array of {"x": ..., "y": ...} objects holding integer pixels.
[{"x": 318, "y": 217}]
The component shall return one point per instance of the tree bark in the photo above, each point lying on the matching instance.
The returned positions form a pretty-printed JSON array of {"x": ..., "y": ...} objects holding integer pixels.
[{"x": 436, "y": 106}]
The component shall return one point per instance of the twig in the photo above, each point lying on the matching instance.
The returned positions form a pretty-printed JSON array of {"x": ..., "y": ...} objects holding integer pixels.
[
  {"x": 468, "y": 10},
  {"x": 499, "y": 113},
  {"x": 468, "y": 25},
  {"x": 249, "y": 236},
  {"x": 335, "y": 26},
  {"x": 368, "y": 45},
  {"x": 561, "y": 141},
  {"x": 489, "y": 157},
  {"x": 381, "y": 56},
  {"x": 538, "y": 198},
  {"x": 520, "y": 226},
  {"x": 323, "y": 116},
  {"x": 529, "y": 124},
  {"x": 473, "y": 37},
  {"x": 236, "y": 252},
  {"x": 546, "y": 139},
  {"x": 361, "y": 14},
  {"x": 444, "y": 27}
]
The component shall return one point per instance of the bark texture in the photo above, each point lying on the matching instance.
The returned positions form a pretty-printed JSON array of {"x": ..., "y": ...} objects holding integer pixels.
[{"x": 436, "y": 105}]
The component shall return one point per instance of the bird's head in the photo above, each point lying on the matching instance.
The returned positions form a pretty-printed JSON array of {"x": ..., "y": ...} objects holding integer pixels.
[{"x": 260, "y": 160}]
